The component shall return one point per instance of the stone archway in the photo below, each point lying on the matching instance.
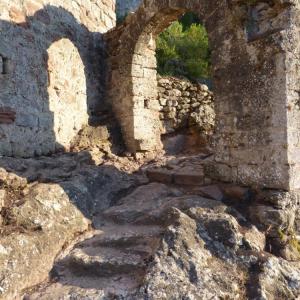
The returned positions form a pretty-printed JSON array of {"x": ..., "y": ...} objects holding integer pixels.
[
  {"x": 67, "y": 98},
  {"x": 249, "y": 41}
]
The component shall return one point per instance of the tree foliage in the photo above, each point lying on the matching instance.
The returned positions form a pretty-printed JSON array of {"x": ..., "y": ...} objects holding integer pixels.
[{"x": 183, "y": 50}]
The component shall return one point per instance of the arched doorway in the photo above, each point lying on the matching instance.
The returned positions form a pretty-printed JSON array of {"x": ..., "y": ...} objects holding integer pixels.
[
  {"x": 185, "y": 90},
  {"x": 67, "y": 92},
  {"x": 250, "y": 94}
]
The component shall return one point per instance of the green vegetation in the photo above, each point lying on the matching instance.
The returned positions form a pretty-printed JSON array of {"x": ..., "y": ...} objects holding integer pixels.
[
  {"x": 183, "y": 50},
  {"x": 290, "y": 238}
]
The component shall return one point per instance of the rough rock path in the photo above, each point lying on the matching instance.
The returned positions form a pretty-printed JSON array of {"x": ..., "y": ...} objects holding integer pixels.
[
  {"x": 113, "y": 258},
  {"x": 171, "y": 239},
  {"x": 111, "y": 262}
]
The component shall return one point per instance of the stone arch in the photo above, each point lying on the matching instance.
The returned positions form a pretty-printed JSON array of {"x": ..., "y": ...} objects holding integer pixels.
[
  {"x": 248, "y": 42},
  {"x": 26, "y": 36},
  {"x": 135, "y": 100}
]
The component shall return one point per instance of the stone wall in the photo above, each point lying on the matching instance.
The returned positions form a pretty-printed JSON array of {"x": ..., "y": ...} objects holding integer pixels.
[
  {"x": 51, "y": 71},
  {"x": 184, "y": 104},
  {"x": 292, "y": 64},
  {"x": 254, "y": 77}
]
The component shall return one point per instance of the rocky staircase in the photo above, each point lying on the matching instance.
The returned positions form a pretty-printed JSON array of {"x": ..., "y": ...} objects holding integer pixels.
[
  {"x": 112, "y": 260},
  {"x": 174, "y": 231}
]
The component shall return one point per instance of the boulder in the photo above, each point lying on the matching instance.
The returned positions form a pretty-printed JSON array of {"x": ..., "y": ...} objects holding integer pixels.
[
  {"x": 45, "y": 223},
  {"x": 272, "y": 219},
  {"x": 279, "y": 280}
]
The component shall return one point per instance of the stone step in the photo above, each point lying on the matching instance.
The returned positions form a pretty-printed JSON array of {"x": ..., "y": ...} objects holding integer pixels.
[
  {"x": 156, "y": 215},
  {"x": 188, "y": 175},
  {"x": 123, "y": 236},
  {"x": 135, "y": 243},
  {"x": 142, "y": 206},
  {"x": 103, "y": 261},
  {"x": 111, "y": 260},
  {"x": 74, "y": 287},
  {"x": 135, "y": 216},
  {"x": 161, "y": 175}
]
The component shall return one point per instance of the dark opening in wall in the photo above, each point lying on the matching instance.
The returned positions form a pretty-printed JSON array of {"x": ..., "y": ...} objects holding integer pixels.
[{"x": 3, "y": 65}]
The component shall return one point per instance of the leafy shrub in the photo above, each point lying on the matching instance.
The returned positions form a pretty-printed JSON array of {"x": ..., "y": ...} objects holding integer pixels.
[{"x": 183, "y": 50}]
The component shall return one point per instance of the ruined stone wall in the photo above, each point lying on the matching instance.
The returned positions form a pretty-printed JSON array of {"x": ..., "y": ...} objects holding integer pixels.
[
  {"x": 249, "y": 41},
  {"x": 184, "y": 104},
  {"x": 51, "y": 71},
  {"x": 292, "y": 71},
  {"x": 292, "y": 48}
]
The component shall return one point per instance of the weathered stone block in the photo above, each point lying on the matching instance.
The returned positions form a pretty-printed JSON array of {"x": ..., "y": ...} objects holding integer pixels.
[
  {"x": 160, "y": 175},
  {"x": 189, "y": 178},
  {"x": 212, "y": 191},
  {"x": 27, "y": 120},
  {"x": 234, "y": 192}
]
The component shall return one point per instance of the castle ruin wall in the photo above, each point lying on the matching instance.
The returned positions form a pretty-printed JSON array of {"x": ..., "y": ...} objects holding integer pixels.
[{"x": 52, "y": 71}]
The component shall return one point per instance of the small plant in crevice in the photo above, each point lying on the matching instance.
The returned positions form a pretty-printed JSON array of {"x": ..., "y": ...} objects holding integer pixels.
[{"x": 290, "y": 238}]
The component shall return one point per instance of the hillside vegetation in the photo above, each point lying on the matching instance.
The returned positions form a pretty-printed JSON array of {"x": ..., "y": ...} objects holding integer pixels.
[{"x": 183, "y": 49}]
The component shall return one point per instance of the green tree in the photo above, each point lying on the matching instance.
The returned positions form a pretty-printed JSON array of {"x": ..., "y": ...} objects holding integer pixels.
[
  {"x": 182, "y": 50},
  {"x": 188, "y": 19}
]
